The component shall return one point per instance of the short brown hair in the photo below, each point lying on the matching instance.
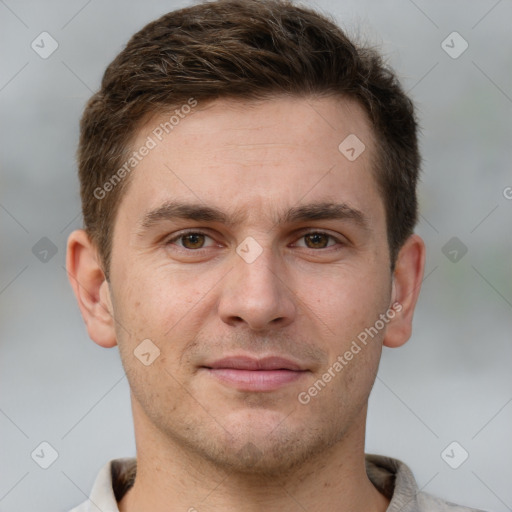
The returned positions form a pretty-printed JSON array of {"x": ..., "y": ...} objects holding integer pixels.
[{"x": 246, "y": 50}]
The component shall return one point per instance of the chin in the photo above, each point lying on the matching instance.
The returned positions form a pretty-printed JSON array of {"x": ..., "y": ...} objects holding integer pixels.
[{"x": 266, "y": 447}]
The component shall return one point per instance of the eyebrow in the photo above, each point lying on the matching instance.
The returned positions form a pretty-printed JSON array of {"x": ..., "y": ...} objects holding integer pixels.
[
  {"x": 325, "y": 211},
  {"x": 172, "y": 210}
]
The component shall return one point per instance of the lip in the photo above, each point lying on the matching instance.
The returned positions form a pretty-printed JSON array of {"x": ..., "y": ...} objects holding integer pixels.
[
  {"x": 253, "y": 363},
  {"x": 252, "y": 374}
]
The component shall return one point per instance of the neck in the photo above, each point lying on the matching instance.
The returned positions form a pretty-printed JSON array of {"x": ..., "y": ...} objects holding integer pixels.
[{"x": 172, "y": 477}]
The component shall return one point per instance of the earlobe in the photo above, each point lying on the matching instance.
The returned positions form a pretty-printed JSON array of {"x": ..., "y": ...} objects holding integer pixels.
[
  {"x": 407, "y": 279},
  {"x": 91, "y": 288}
]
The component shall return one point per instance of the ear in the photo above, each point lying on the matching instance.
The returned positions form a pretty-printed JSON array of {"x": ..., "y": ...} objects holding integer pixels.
[
  {"x": 407, "y": 279},
  {"x": 91, "y": 288}
]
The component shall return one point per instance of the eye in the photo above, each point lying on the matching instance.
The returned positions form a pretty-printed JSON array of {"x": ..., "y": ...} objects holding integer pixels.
[
  {"x": 317, "y": 240},
  {"x": 191, "y": 240}
]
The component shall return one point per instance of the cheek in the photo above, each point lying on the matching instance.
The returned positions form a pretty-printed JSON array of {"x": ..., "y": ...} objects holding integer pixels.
[
  {"x": 169, "y": 309},
  {"x": 153, "y": 328},
  {"x": 347, "y": 299},
  {"x": 160, "y": 302}
]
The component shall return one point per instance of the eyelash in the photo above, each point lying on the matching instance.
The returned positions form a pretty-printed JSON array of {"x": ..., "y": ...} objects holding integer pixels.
[{"x": 183, "y": 234}]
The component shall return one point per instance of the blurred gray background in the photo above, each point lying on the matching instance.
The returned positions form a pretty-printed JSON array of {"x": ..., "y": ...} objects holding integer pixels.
[{"x": 451, "y": 383}]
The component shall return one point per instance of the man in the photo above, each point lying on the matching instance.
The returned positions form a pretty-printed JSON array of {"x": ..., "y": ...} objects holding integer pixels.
[{"x": 248, "y": 182}]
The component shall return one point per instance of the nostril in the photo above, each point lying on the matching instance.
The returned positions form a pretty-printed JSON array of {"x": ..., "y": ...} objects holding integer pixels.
[{"x": 234, "y": 320}]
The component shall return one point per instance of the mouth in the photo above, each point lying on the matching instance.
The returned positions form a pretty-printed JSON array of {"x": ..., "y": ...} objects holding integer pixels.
[{"x": 252, "y": 374}]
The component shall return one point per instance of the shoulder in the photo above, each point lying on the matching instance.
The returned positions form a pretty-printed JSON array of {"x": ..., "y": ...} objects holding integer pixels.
[
  {"x": 433, "y": 503},
  {"x": 395, "y": 480},
  {"x": 112, "y": 481}
]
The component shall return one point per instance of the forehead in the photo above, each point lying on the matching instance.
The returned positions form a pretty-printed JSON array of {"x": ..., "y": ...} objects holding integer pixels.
[{"x": 258, "y": 156}]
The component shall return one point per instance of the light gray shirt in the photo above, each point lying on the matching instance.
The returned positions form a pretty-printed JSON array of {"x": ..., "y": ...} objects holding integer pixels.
[{"x": 390, "y": 476}]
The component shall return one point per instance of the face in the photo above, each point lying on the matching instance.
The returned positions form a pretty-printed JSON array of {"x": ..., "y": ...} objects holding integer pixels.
[{"x": 252, "y": 252}]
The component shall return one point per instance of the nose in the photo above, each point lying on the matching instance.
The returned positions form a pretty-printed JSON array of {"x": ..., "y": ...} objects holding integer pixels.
[{"x": 257, "y": 294}]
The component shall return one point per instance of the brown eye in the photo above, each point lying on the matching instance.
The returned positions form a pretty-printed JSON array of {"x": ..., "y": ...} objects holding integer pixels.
[
  {"x": 193, "y": 240},
  {"x": 316, "y": 240}
]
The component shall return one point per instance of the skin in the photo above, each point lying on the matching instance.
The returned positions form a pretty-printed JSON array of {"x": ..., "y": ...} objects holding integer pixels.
[{"x": 200, "y": 442}]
